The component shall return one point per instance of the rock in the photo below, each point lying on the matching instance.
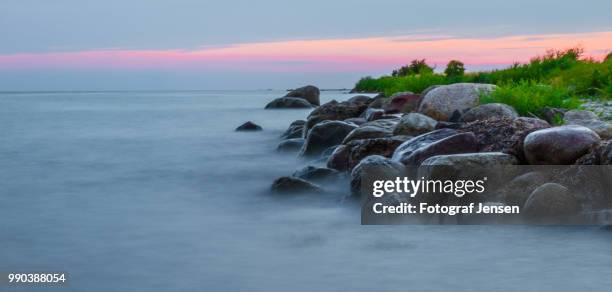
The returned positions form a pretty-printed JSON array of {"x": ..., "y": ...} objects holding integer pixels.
[
  {"x": 600, "y": 154},
  {"x": 551, "y": 203},
  {"x": 359, "y": 99},
  {"x": 373, "y": 167},
  {"x": 559, "y": 145},
  {"x": 324, "y": 135},
  {"x": 290, "y": 145},
  {"x": 470, "y": 160},
  {"x": 414, "y": 124},
  {"x": 448, "y": 125},
  {"x": 378, "y": 101},
  {"x": 453, "y": 100},
  {"x": 455, "y": 144},
  {"x": 503, "y": 134},
  {"x": 313, "y": 173},
  {"x": 334, "y": 111},
  {"x": 338, "y": 160},
  {"x": 602, "y": 108},
  {"x": 249, "y": 126},
  {"x": 288, "y": 102},
  {"x": 372, "y": 114},
  {"x": 590, "y": 120},
  {"x": 309, "y": 93},
  {"x": 360, "y": 149},
  {"x": 490, "y": 110},
  {"x": 356, "y": 121},
  {"x": 367, "y": 132},
  {"x": 428, "y": 89},
  {"x": 411, "y": 145},
  {"x": 553, "y": 115},
  {"x": 295, "y": 130},
  {"x": 402, "y": 102},
  {"x": 286, "y": 184},
  {"x": 517, "y": 191},
  {"x": 387, "y": 124}
]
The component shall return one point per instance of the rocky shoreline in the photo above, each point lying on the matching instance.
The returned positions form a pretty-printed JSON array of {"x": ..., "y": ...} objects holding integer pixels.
[{"x": 446, "y": 125}]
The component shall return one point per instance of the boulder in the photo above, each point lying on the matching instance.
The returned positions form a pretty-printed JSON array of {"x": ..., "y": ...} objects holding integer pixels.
[
  {"x": 338, "y": 160},
  {"x": 288, "y": 102},
  {"x": 312, "y": 173},
  {"x": 324, "y": 135},
  {"x": 470, "y": 160},
  {"x": 402, "y": 102},
  {"x": 287, "y": 184},
  {"x": 249, "y": 126},
  {"x": 373, "y": 167},
  {"x": 590, "y": 120},
  {"x": 371, "y": 114},
  {"x": 600, "y": 154},
  {"x": 360, "y": 99},
  {"x": 356, "y": 121},
  {"x": 411, "y": 145},
  {"x": 291, "y": 145},
  {"x": 503, "y": 134},
  {"x": 428, "y": 89},
  {"x": 551, "y": 203},
  {"x": 367, "y": 132},
  {"x": 309, "y": 93},
  {"x": 360, "y": 149},
  {"x": 334, "y": 111},
  {"x": 449, "y": 102},
  {"x": 559, "y": 145},
  {"x": 378, "y": 101},
  {"x": 517, "y": 191},
  {"x": 414, "y": 124},
  {"x": 490, "y": 110},
  {"x": 455, "y": 144},
  {"x": 295, "y": 130}
]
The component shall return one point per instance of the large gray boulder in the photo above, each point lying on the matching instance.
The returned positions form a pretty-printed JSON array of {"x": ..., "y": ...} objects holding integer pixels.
[
  {"x": 367, "y": 132},
  {"x": 309, "y": 93},
  {"x": 324, "y": 135},
  {"x": 411, "y": 145},
  {"x": 551, "y": 203},
  {"x": 371, "y": 168},
  {"x": 490, "y": 110},
  {"x": 590, "y": 120},
  {"x": 454, "y": 144},
  {"x": 288, "y": 102},
  {"x": 559, "y": 145},
  {"x": 414, "y": 124},
  {"x": 449, "y": 102}
]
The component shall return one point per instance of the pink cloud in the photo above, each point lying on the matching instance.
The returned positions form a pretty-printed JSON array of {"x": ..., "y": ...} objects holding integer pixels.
[{"x": 333, "y": 55}]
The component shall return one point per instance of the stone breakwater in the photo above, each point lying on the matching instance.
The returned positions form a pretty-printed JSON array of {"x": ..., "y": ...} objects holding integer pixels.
[{"x": 446, "y": 125}]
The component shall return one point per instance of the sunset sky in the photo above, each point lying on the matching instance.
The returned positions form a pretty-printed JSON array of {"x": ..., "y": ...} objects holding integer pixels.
[{"x": 87, "y": 45}]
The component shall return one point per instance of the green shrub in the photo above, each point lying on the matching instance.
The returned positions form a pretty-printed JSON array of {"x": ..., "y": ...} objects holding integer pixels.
[
  {"x": 530, "y": 97},
  {"x": 454, "y": 69},
  {"x": 415, "y": 67},
  {"x": 390, "y": 85}
]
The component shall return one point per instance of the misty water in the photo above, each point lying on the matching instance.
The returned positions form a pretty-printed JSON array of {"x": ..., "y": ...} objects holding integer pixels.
[{"x": 155, "y": 191}]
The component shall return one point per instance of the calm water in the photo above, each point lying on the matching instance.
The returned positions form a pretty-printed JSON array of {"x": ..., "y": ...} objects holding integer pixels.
[{"x": 156, "y": 192}]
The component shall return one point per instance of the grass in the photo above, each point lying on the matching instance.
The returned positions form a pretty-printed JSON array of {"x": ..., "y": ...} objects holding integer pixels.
[{"x": 555, "y": 79}]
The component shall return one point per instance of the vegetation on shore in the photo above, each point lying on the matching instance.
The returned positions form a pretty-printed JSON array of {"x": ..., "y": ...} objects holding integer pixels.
[{"x": 556, "y": 79}]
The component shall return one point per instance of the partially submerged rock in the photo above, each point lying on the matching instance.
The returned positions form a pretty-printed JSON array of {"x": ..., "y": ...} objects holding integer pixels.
[
  {"x": 334, "y": 111},
  {"x": 338, "y": 160},
  {"x": 373, "y": 167},
  {"x": 287, "y": 185},
  {"x": 309, "y": 93},
  {"x": 291, "y": 145},
  {"x": 324, "y": 135},
  {"x": 449, "y": 102},
  {"x": 454, "y": 144},
  {"x": 360, "y": 149},
  {"x": 559, "y": 145},
  {"x": 551, "y": 203},
  {"x": 288, "y": 102},
  {"x": 313, "y": 173},
  {"x": 295, "y": 130},
  {"x": 249, "y": 126},
  {"x": 407, "y": 148}
]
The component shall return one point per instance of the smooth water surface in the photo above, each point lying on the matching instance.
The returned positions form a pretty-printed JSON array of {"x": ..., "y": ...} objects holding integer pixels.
[{"x": 155, "y": 191}]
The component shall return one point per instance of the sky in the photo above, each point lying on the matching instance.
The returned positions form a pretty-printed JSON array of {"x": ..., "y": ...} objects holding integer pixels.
[{"x": 237, "y": 44}]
